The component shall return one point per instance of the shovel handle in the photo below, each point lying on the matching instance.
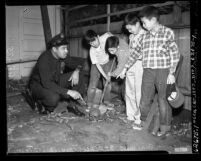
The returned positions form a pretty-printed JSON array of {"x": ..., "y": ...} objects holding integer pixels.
[{"x": 105, "y": 86}]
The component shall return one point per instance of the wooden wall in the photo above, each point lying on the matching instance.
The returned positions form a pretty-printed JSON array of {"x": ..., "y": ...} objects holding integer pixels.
[{"x": 25, "y": 36}]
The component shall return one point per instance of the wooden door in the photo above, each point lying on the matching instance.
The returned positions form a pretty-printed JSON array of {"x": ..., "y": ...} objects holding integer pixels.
[{"x": 31, "y": 35}]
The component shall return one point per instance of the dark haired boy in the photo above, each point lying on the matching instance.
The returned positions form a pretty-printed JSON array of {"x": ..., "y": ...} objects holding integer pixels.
[
  {"x": 160, "y": 57},
  {"x": 134, "y": 74},
  {"x": 100, "y": 66}
]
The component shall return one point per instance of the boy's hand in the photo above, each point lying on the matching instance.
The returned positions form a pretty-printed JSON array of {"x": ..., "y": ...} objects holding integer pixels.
[
  {"x": 170, "y": 79},
  {"x": 109, "y": 74},
  {"x": 108, "y": 78},
  {"x": 122, "y": 74}
]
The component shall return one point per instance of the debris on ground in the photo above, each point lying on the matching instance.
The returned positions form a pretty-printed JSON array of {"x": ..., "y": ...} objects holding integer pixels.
[
  {"x": 63, "y": 131},
  {"x": 16, "y": 85},
  {"x": 182, "y": 129}
]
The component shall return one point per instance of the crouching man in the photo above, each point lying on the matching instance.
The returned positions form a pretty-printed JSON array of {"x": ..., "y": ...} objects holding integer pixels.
[{"x": 47, "y": 84}]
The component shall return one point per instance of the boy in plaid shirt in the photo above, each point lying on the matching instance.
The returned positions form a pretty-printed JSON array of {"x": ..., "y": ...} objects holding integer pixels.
[{"x": 160, "y": 57}]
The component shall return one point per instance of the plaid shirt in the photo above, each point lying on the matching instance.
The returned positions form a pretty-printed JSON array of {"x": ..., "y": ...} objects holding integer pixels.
[
  {"x": 158, "y": 50},
  {"x": 132, "y": 41}
]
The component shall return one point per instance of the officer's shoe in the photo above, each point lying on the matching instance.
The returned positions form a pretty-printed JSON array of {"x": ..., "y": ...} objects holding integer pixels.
[
  {"x": 29, "y": 99},
  {"x": 43, "y": 109}
]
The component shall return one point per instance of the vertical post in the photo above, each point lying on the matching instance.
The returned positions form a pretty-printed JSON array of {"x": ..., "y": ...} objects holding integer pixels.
[
  {"x": 66, "y": 24},
  {"x": 46, "y": 24},
  {"x": 177, "y": 14},
  {"x": 66, "y": 21},
  {"x": 108, "y": 17}
]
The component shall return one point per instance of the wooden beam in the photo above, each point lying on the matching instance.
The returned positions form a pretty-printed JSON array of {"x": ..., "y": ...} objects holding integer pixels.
[
  {"x": 13, "y": 94},
  {"x": 173, "y": 26},
  {"x": 77, "y": 7},
  {"x": 108, "y": 18},
  {"x": 46, "y": 24},
  {"x": 66, "y": 20},
  {"x": 122, "y": 12},
  {"x": 20, "y": 61},
  {"x": 177, "y": 14}
]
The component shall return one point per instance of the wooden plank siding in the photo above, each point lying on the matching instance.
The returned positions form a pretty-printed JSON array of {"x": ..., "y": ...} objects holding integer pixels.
[{"x": 25, "y": 36}]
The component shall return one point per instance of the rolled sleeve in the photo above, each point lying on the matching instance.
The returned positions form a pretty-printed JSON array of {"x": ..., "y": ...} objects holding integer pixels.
[
  {"x": 135, "y": 54},
  {"x": 174, "y": 52}
]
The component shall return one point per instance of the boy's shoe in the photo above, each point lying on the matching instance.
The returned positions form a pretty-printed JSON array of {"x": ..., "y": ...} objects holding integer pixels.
[
  {"x": 164, "y": 131},
  {"x": 137, "y": 126},
  {"x": 161, "y": 134}
]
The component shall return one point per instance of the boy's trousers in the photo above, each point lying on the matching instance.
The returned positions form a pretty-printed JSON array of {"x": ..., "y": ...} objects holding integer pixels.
[
  {"x": 95, "y": 76},
  {"x": 133, "y": 91},
  {"x": 155, "y": 78}
]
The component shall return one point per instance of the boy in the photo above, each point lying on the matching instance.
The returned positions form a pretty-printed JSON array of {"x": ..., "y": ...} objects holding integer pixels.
[
  {"x": 134, "y": 74},
  {"x": 121, "y": 49},
  {"x": 159, "y": 59},
  {"x": 47, "y": 86},
  {"x": 100, "y": 66}
]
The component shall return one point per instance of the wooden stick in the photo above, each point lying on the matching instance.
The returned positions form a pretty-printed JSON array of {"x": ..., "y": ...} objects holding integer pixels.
[
  {"x": 152, "y": 112},
  {"x": 105, "y": 86}
]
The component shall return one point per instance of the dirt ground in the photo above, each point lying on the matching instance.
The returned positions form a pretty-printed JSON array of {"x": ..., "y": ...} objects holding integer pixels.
[{"x": 30, "y": 132}]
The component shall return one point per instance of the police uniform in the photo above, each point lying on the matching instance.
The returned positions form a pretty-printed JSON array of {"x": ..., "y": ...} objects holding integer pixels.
[{"x": 48, "y": 85}]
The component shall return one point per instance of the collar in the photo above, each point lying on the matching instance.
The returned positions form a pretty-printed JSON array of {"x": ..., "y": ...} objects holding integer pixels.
[
  {"x": 160, "y": 29},
  {"x": 141, "y": 32}
]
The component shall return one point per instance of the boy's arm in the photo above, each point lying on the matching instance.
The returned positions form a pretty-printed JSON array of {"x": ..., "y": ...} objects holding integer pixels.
[
  {"x": 122, "y": 59},
  {"x": 135, "y": 54},
  {"x": 174, "y": 53},
  {"x": 137, "y": 51},
  {"x": 101, "y": 71},
  {"x": 94, "y": 61}
]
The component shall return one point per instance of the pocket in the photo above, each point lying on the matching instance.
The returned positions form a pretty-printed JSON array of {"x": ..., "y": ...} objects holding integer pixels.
[{"x": 162, "y": 49}]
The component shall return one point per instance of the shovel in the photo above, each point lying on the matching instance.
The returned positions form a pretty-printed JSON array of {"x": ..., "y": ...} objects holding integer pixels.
[{"x": 106, "y": 84}]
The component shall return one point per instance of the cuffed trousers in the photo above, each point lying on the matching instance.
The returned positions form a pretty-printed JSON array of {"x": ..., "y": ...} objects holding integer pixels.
[{"x": 133, "y": 91}]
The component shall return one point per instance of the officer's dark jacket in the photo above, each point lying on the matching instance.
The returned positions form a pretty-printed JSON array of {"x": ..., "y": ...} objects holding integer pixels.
[{"x": 47, "y": 72}]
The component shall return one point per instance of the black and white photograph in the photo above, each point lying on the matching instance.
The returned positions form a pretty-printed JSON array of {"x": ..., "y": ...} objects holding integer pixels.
[{"x": 101, "y": 78}]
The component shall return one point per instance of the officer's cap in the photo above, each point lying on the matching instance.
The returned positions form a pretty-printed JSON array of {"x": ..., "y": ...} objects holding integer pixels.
[{"x": 57, "y": 41}]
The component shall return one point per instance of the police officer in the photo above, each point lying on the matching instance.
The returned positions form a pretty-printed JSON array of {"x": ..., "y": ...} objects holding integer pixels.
[{"x": 47, "y": 84}]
